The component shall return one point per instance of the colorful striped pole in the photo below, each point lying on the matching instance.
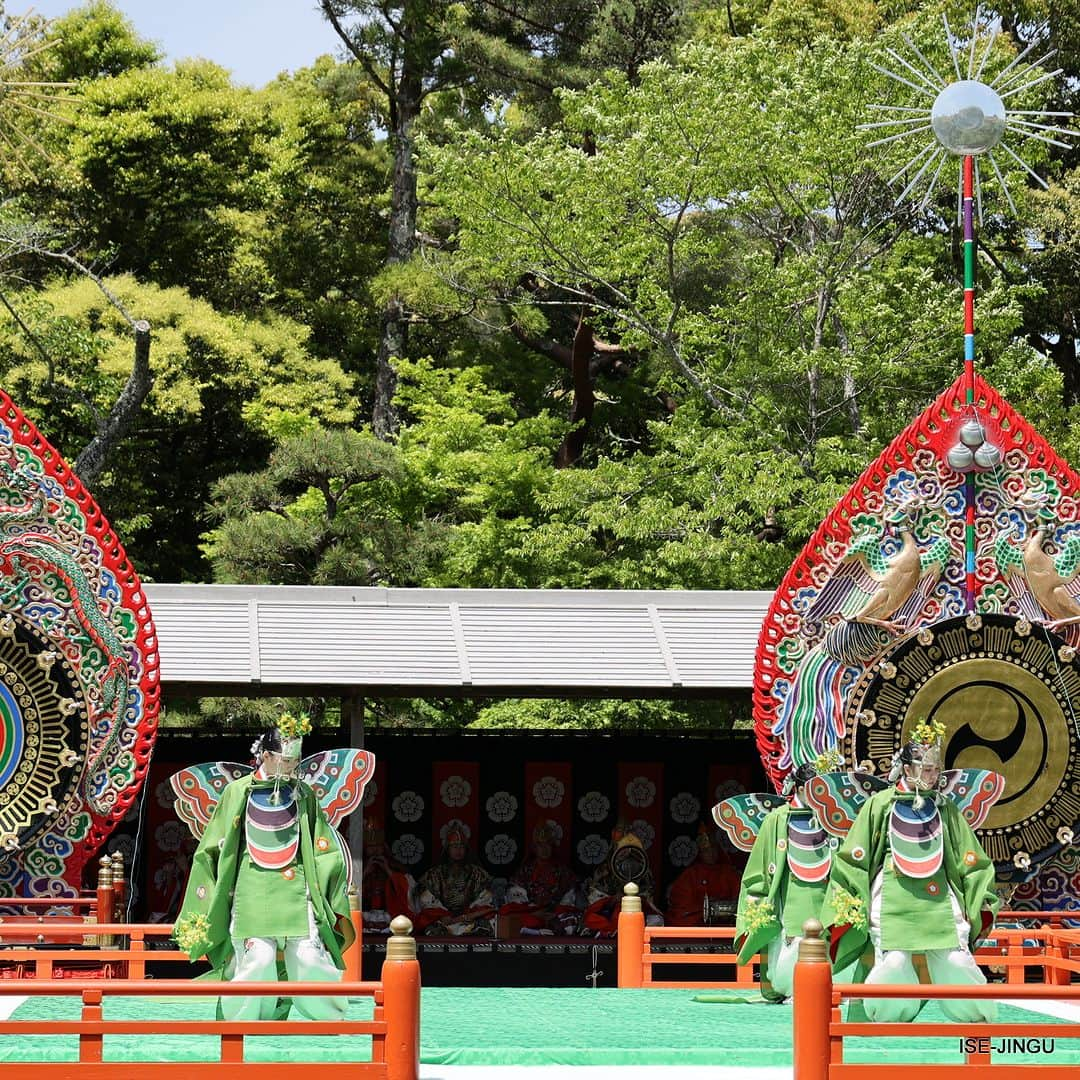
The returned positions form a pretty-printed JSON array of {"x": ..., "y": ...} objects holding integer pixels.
[{"x": 969, "y": 372}]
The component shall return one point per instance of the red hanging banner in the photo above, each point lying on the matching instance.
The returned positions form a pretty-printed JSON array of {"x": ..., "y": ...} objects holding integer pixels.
[
  {"x": 375, "y": 799},
  {"x": 455, "y": 797},
  {"x": 549, "y": 797},
  {"x": 641, "y": 806},
  {"x": 725, "y": 781},
  {"x": 167, "y": 846}
]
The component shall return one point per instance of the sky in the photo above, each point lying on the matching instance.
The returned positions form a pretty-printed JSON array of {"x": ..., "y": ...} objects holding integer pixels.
[{"x": 254, "y": 39}]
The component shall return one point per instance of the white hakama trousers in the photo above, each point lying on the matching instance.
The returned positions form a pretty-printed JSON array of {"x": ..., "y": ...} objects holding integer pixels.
[
  {"x": 894, "y": 967},
  {"x": 306, "y": 960},
  {"x": 781, "y": 956}
]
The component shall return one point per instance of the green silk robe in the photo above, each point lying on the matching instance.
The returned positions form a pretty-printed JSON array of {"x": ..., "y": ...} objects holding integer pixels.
[
  {"x": 243, "y": 900},
  {"x": 768, "y": 877},
  {"x": 916, "y": 913}
]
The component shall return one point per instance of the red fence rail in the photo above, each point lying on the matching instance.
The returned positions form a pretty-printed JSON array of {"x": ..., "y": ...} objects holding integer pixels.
[
  {"x": 394, "y": 1028},
  {"x": 819, "y": 1029},
  {"x": 1009, "y": 948}
]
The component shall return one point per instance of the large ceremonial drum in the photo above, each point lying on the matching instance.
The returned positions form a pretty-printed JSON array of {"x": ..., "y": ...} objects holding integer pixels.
[
  {"x": 79, "y": 685},
  {"x": 944, "y": 587}
]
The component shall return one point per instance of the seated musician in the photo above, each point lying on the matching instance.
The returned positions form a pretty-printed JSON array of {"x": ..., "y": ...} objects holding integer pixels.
[
  {"x": 455, "y": 895},
  {"x": 387, "y": 889},
  {"x": 542, "y": 894},
  {"x": 604, "y": 890},
  {"x": 710, "y": 876}
]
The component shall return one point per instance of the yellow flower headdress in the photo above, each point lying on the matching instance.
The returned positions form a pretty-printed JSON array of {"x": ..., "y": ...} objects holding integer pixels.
[
  {"x": 294, "y": 727},
  {"x": 928, "y": 732},
  {"x": 830, "y": 761}
]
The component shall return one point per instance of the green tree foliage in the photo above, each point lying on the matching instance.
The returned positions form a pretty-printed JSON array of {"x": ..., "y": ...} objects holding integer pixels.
[
  {"x": 325, "y": 511},
  {"x": 318, "y": 237},
  {"x": 668, "y": 305},
  {"x": 772, "y": 294},
  {"x": 92, "y": 42},
  {"x": 165, "y": 165},
  {"x": 224, "y": 387}
]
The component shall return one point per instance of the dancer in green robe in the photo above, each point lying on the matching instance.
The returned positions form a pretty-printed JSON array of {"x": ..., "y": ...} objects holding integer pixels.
[
  {"x": 912, "y": 877},
  {"x": 783, "y": 884},
  {"x": 270, "y": 874}
]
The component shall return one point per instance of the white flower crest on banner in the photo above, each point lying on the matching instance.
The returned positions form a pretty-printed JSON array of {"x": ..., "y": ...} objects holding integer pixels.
[
  {"x": 682, "y": 851},
  {"x": 554, "y": 828},
  {"x": 593, "y": 806},
  {"x": 170, "y": 835},
  {"x": 548, "y": 792},
  {"x": 685, "y": 808},
  {"x": 640, "y": 792},
  {"x": 643, "y": 831},
  {"x": 455, "y": 791},
  {"x": 726, "y": 788},
  {"x": 125, "y": 845},
  {"x": 500, "y": 849},
  {"x": 408, "y": 806},
  {"x": 502, "y": 806},
  {"x": 370, "y": 792},
  {"x": 408, "y": 849},
  {"x": 455, "y": 823},
  {"x": 592, "y": 849}
]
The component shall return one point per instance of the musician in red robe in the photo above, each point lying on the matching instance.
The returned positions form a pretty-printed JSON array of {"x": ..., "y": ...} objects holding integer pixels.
[
  {"x": 710, "y": 875},
  {"x": 387, "y": 890},
  {"x": 627, "y": 862},
  {"x": 542, "y": 894}
]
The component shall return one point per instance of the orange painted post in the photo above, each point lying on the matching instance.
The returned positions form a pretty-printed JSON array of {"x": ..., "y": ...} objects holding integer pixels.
[
  {"x": 136, "y": 967},
  {"x": 401, "y": 999},
  {"x": 812, "y": 1006},
  {"x": 354, "y": 953},
  {"x": 1014, "y": 973},
  {"x": 631, "y": 939},
  {"x": 90, "y": 1046},
  {"x": 232, "y": 1048},
  {"x": 119, "y": 886},
  {"x": 1056, "y": 974},
  {"x": 105, "y": 900}
]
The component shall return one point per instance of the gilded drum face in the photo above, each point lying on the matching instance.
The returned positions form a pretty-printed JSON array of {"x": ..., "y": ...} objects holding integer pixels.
[{"x": 968, "y": 117}]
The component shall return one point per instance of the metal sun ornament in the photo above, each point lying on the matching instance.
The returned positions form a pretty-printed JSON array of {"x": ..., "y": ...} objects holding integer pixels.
[
  {"x": 968, "y": 118},
  {"x": 23, "y": 98}
]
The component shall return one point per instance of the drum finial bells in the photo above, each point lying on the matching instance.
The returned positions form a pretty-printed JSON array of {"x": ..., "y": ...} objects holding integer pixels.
[{"x": 973, "y": 452}]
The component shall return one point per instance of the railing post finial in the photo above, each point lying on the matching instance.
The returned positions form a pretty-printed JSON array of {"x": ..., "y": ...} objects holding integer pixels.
[{"x": 812, "y": 947}]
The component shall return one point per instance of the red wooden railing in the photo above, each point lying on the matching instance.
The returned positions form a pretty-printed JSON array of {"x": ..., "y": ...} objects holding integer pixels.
[
  {"x": 394, "y": 1028},
  {"x": 637, "y": 960},
  {"x": 103, "y": 906},
  {"x": 819, "y": 1029}
]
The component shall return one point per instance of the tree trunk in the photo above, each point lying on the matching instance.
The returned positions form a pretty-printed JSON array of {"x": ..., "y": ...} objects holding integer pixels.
[
  {"x": 122, "y": 415},
  {"x": 581, "y": 412},
  {"x": 1063, "y": 353},
  {"x": 851, "y": 398},
  {"x": 393, "y": 339}
]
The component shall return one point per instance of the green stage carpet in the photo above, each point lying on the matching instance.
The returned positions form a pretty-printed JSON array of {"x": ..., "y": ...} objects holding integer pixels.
[{"x": 545, "y": 1026}]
